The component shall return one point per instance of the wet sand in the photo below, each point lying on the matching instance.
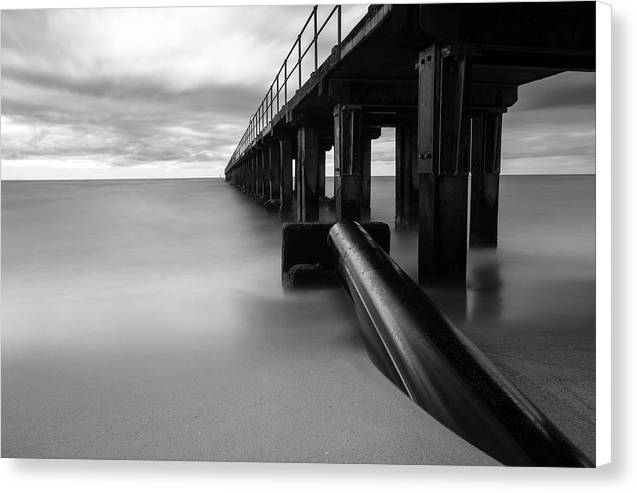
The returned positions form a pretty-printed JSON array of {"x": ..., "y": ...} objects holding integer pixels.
[{"x": 145, "y": 320}]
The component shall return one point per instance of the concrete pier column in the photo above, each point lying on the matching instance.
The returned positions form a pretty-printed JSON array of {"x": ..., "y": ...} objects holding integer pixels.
[
  {"x": 320, "y": 190},
  {"x": 352, "y": 163},
  {"x": 308, "y": 169},
  {"x": 265, "y": 153},
  {"x": 259, "y": 175},
  {"x": 275, "y": 170},
  {"x": 253, "y": 175},
  {"x": 486, "y": 138},
  {"x": 366, "y": 175},
  {"x": 444, "y": 126},
  {"x": 262, "y": 175},
  {"x": 407, "y": 175},
  {"x": 298, "y": 176},
  {"x": 248, "y": 174},
  {"x": 285, "y": 156}
]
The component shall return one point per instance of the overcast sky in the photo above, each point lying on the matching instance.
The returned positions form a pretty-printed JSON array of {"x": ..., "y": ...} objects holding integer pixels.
[{"x": 118, "y": 93}]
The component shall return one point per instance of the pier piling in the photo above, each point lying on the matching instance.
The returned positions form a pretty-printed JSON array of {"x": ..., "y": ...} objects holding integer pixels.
[
  {"x": 486, "y": 136},
  {"x": 308, "y": 158},
  {"x": 406, "y": 175}
]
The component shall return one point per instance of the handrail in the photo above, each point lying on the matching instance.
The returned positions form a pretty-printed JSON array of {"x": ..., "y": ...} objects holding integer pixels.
[{"x": 276, "y": 97}]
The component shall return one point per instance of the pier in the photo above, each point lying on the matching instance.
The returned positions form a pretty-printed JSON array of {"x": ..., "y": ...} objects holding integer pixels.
[{"x": 442, "y": 76}]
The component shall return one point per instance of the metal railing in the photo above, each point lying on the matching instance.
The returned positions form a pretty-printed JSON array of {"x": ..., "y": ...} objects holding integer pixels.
[{"x": 279, "y": 92}]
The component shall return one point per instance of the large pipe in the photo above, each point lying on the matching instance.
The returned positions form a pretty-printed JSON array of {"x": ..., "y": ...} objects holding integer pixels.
[{"x": 437, "y": 366}]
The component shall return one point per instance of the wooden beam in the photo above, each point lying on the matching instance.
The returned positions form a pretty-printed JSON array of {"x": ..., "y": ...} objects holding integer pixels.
[{"x": 373, "y": 92}]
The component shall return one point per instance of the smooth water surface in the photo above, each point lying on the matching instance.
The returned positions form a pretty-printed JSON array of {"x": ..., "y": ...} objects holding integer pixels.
[{"x": 146, "y": 320}]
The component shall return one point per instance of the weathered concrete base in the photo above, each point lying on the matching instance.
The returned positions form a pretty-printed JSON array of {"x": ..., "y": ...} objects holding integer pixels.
[
  {"x": 306, "y": 244},
  {"x": 310, "y": 276}
]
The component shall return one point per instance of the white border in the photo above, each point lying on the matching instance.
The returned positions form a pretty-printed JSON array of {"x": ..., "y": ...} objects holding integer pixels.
[
  {"x": 603, "y": 232},
  {"x": 61, "y": 475}
]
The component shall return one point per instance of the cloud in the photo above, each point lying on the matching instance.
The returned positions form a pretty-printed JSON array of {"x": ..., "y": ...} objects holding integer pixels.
[
  {"x": 551, "y": 129},
  {"x": 166, "y": 87},
  {"x": 172, "y": 89}
]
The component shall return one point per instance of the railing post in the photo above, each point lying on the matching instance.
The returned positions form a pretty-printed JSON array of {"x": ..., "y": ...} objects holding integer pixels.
[
  {"x": 266, "y": 111},
  {"x": 285, "y": 80},
  {"x": 314, "y": 13},
  {"x": 299, "y": 64},
  {"x": 338, "y": 28}
]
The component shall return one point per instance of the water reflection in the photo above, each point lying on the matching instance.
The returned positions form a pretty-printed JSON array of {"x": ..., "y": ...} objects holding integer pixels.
[{"x": 484, "y": 285}]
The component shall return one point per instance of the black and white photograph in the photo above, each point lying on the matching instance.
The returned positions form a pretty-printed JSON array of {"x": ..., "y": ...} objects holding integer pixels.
[{"x": 338, "y": 234}]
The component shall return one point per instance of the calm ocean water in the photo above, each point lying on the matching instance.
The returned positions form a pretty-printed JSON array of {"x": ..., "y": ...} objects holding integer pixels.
[{"x": 131, "y": 306}]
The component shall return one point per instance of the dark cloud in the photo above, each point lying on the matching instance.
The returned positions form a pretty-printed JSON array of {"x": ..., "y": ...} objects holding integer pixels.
[{"x": 123, "y": 96}]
